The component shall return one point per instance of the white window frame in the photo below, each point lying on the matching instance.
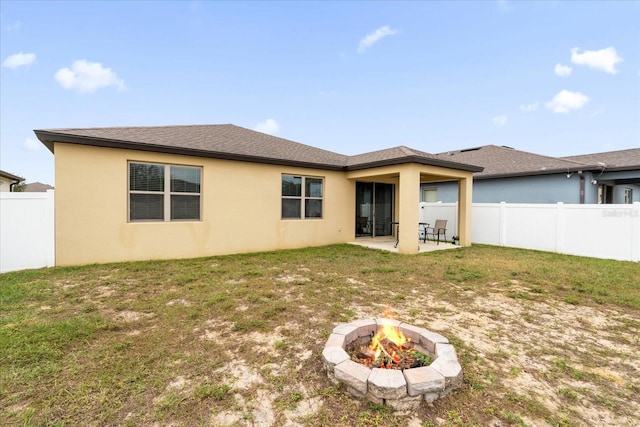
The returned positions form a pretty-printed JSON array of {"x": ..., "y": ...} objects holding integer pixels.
[
  {"x": 303, "y": 197},
  {"x": 167, "y": 193}
]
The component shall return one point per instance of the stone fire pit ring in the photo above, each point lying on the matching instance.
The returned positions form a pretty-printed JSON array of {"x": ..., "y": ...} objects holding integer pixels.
[{"x": 402, "y": 389}]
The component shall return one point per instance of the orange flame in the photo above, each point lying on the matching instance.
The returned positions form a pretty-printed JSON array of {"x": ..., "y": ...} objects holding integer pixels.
[{"x": 390, "y": 332}]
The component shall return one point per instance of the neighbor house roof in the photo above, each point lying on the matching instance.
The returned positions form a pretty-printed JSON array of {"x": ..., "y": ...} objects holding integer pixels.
[
  {"x": 11, "y": 176},
  {"x": 37, "y": 187},
  {"x": 611, "y": 160},
  {"x": 500, "y": 161},
  {"x": 236, "y": 143}
]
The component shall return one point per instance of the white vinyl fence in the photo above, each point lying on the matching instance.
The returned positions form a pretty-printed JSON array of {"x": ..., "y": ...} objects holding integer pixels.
[
  {"x": 26, "y": 231},
  {"x": 600, "y": 231}
]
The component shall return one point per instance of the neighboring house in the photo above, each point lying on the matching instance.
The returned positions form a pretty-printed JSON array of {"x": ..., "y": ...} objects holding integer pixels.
[
  {"x": 137, "y": 193},
  {"x": 7, "y": 181},
  {"x": 618, "y": 177},
  {"x": 37, "y": 187},
  {"x": 515, "y": 176}
]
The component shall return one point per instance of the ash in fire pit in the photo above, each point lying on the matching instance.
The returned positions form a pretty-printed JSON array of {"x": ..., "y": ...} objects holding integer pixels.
[{"x": 392, "y": 363}]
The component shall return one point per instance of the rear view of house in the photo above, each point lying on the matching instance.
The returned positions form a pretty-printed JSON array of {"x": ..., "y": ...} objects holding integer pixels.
[{"x": 137, "y": 193}]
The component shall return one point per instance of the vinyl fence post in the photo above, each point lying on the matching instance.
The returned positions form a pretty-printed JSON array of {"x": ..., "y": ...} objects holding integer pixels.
[
  {"x": 635, "y": 231},
  {"x": 50, "y": 236},
  {"x": 560, "y": 228},
  {"x": 503, "y": 223}
]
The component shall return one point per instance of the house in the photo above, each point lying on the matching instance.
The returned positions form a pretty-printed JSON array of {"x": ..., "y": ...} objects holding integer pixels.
[
  {"x": 37, "y": 187},
  {"x": 516, "y": 176},
  {"x": 617, "y": 176},
  {"x": 7, "y": 181},
  {"x": 138, "y": 193}
]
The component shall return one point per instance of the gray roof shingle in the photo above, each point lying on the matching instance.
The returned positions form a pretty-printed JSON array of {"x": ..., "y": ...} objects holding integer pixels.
[
  {"x": 506, "y": 161},
  {"x": 612, "y": 160},
  {"x": 236, "y": 143},
  {"x": 37, "y": 187},
  {"x": 224, "y": 140}
]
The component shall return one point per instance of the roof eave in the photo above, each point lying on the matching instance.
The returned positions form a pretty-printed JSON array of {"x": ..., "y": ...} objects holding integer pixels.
[
  {"x": 14, "y": 178},
  {"x": 554, "y": 171}
]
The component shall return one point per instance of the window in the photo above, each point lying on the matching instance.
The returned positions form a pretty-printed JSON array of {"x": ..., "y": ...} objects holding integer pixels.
[
  {"x": 301, "y": 197},
  {"x": 163, "y": 192},
  {"x": 429, "y": 195},
  {"x": 628, "y": 195}
]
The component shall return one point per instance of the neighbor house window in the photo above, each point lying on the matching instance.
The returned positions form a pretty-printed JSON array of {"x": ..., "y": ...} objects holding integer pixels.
[
  {"x": 164, "y": 192},
  {"x": 302, "y": 197},
  {"x": 429, "y": 195},
  {"x": 628, "y": 195}
]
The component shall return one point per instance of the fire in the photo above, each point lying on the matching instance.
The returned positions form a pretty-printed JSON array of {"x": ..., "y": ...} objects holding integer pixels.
[{"x": 391, "y": 333}]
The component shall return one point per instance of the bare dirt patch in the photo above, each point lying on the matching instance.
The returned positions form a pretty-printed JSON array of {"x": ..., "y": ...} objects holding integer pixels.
[{"x": 131, "y": 316}]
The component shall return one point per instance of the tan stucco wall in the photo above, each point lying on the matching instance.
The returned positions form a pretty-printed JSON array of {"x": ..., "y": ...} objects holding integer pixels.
[{"x": 241, "y": 205}]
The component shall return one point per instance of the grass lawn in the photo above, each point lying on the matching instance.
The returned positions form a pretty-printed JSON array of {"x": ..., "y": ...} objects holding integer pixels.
[{"x": 543, "y": 339}]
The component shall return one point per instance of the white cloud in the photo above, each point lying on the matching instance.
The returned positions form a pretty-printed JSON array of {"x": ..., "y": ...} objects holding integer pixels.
[
  {"x": 499, "y": 121},
  {"x": 529, "y": 107},
  {"x": 562, "y": 70},
  {"x": 371, "y": 39},
  {"x": 87, "y": 77},
  {"x": 32, "y": 145},
  {"x": 603, "y": 59},
  {"x": 268, "y": 126},
  {"x": 19, "y": 60},
  {"x": 565, "y": 101}
]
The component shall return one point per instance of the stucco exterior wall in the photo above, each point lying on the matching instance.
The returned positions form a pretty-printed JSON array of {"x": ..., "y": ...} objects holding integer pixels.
[{"x": 240, "y": 202}]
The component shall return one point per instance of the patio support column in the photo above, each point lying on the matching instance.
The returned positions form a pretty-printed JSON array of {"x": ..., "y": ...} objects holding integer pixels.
[
  {"x": 465, "y": 201},
  {"x": 409, "y": 196}
]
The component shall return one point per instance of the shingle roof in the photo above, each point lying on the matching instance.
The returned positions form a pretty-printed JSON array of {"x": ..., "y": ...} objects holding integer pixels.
[
  {"x": 405, "y": 154},
  {"x": 506, "y": 161},
  {"x": 37, "y": 187},
  {"x": 207, "y": 140},
  {"x": 612, "y": 160},
  {"x": 11, "y": 176},
  {"x": 235, "y": 143}
]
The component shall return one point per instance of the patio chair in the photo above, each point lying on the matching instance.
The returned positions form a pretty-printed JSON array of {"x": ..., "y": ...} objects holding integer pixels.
[{"x": 438, "y": 229}]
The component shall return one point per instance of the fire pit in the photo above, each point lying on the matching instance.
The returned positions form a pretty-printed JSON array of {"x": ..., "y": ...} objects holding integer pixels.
[{"x": 391, "y": 363}]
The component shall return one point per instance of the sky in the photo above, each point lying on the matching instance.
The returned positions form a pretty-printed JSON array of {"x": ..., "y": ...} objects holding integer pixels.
[{"x": 555, "y": 78}]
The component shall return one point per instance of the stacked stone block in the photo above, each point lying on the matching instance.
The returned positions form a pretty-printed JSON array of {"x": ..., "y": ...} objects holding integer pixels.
[{"x": 404, "y": 390}]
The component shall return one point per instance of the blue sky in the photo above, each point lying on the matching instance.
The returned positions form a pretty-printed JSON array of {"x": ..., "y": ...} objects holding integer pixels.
[{"x": 552, "y": 77}]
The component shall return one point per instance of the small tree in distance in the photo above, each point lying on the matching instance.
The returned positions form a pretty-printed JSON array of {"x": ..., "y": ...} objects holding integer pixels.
[{"x": 19, "y": 187}]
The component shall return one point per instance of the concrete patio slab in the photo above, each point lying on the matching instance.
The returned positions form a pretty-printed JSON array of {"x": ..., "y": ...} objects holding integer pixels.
[{"x": 387, "y": 244}]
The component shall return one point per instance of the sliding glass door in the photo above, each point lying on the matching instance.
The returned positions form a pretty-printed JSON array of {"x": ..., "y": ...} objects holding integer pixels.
[{"x": 374, "y": 209}]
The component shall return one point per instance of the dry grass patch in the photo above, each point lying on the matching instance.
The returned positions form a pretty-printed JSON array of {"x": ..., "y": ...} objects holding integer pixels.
[{"x": 544, "y": 339}]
